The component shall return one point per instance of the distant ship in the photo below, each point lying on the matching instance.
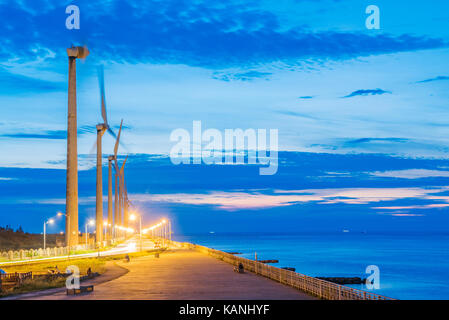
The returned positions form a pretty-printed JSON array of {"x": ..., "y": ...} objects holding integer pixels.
[
  {"x": 211, "y": 231},
  {"x": 345, "y": 230}
]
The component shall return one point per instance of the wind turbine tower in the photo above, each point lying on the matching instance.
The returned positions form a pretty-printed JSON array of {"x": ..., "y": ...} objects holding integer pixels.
[
  {"x": 71, "y": 228},
  {"x": 101, "y": 129}
]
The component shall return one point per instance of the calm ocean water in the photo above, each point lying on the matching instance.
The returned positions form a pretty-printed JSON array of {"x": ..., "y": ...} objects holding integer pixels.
[{"x": 412, "y": 266}]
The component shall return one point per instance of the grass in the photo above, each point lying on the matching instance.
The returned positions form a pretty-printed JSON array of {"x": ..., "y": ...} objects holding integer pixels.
[{"x": 96, "y": 265}]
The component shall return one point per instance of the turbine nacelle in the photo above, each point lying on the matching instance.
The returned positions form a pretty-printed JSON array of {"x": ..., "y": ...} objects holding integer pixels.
[
  {"x": 78, "y": 52},
  {"x": 102, "y": 127}
]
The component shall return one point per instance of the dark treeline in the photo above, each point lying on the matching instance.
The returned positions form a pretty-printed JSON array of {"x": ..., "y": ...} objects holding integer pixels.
[{"x": 11, "y": 239}]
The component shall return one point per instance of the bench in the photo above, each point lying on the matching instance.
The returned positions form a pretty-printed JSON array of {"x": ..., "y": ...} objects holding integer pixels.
[
  {"x": 239, "y": 269},
  {"x": 80, "y": 290}
]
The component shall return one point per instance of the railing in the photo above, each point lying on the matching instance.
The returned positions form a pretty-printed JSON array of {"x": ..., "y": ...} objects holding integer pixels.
[
  {"x": 320, "y": 288},
  {"x": 16, "y": 276}
]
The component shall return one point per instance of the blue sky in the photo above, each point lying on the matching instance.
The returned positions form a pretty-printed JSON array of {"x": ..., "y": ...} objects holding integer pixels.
[{"x": 310, "y": 69}]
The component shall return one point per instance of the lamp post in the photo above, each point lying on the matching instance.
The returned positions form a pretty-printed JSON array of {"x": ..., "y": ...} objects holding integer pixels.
[
  {"x": 105, "y": 230},
  {"x": 60, "y": 214},
  {"x": 50, "y": 221},
  {"x": 90, "y": 223},
  {"x": 164, "y": 231},
  {"x": 169, "y": 230},
  {"x": 132, "y": 217}
]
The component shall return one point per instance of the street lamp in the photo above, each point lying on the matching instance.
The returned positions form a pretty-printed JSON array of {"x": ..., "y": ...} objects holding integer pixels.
[
  {"x": 60, "y": 214},
  {"x": 105, "y": 229},
  {"x": 50, "y": 221},
  {"x": 163, "y": 231},
  {"x": 133, "y": 217},
  {"x": 91, "y": 222}
]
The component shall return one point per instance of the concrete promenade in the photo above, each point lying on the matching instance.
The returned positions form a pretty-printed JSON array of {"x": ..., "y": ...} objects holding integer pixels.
[{"x": 181, "y": 274}]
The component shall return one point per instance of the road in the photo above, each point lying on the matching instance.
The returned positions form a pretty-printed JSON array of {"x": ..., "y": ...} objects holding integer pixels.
[
  {"x": 183, "y": 274},
  {"x": 131, "y": 245}
]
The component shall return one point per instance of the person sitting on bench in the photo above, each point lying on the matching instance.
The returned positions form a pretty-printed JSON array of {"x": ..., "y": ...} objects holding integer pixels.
[{"x": 239, "y": 269}]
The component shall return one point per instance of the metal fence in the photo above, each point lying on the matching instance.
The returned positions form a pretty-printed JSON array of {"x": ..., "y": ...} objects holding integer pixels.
[{"x": 320, "y": 288}]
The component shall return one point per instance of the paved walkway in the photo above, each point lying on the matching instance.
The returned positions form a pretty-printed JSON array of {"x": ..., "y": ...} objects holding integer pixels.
[{"x": 189, "y": 275}]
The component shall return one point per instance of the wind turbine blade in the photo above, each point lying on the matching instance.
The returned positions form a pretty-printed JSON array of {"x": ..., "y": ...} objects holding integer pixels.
[
  {"x": 102, "y": 94},
  {"x": 112, "y": 133},
  {"x": 124, "y": 189},
  {"x": 117, "y": 141},
  {"x": 84, "y": 52},
  {"x": 116, "y": 168},
  {"x": 123, "y": 165},
  {"x": 93, "y": 150}
]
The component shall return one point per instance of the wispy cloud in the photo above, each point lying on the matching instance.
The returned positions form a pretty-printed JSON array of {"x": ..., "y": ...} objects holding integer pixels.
[
  {"x": 200, "y": 33},
  {"x": 376, "y": 140},
  {"x": 367, "y": 92},
  {"x": 439, "y": 78},
  {"x": 50, "y": 134},
  {"x": 20, "y": 84},
  {"x": 411, "y": 173},
  {"x": 422, "y": 206},
  {"x": 242, "y": 76},
  {"x": 296, "y": 114},
  {"x": 47, "y": 134},
  {"x": 7, "y": 179},
  {"x": 406, "y": 215},
  {"x": 279, "y": 198}
]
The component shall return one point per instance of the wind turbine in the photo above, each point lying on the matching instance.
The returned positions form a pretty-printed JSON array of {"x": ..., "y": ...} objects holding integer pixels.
[
  {"x": 71, "y": 226},
  {"x": 110, "y": 214},
  {"x": 117, "y": 173},
  {"x": 101, "y": 129},
  {"x": 126, "y": 202},
  {"x": 122, "y": 194}
]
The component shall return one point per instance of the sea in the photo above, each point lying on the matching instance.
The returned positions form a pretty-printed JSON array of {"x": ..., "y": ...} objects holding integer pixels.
[{"x": 411, "y": 265}]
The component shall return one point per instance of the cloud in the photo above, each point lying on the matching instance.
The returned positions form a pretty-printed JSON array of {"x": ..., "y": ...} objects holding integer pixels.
[
  {"x": 19, "y": 84},
  {"x": 50, "y": 134},
  {"x": 368, "y": 92},
  {"x": 376, "y": 140},
  {"x": 202, "y": 33},
  {"x": 439, "y": 78},
  {"x": 411, "y": 173},
  {"x": 406, "y": 215},
  {"x": 231, "y": 201},
  {"x": 296, "y": 114},
  {"x": 306, "y": 97},
  {"x": 423, "y": 206},
  {"x": 245, "y": 76}
]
